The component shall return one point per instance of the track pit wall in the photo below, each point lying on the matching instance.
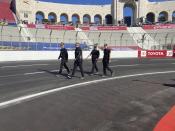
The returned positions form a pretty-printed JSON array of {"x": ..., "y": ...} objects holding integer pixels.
[{"x": 53, "y": 55}]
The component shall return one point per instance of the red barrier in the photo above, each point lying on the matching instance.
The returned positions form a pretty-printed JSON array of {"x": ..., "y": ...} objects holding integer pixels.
[
  {"x": 161, "y": 26},
  {"x": 31, "y": 26},
  {"x": 112, "y": 28},
  {"x": 167, "y": 123},
  {"x": 59, "y": 27},
  {"x": 155, "y": 53},
  {"x": 173, "y": 53},
  {"x": 85, "y": 28},
  {"x": 101, "y": 28},
  {"x": 53, "y": 27},
  {"x": 40, "y": 26}
]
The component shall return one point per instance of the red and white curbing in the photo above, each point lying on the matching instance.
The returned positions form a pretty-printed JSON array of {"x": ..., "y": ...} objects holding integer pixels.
[{"x": 155, "y": 53}]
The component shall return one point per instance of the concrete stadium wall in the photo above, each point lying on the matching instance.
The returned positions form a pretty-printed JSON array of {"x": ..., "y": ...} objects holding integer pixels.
[
  {"x": 31, "y": 7},
  {"x": 142, "y": 8},
  {"x": 53, "y": 55}
]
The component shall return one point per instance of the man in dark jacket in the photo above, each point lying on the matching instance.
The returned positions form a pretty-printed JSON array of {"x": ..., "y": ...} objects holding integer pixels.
[
  {"x": 78, "y": 60},
  {"x": 64, "y": 59},
  {"x": 94, "y": 57},
  {"x": 106, "y": 60}
]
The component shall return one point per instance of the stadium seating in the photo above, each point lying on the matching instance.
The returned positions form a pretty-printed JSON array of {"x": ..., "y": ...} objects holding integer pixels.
[
  {"x": 49, "y": 39},
  {"x": 57, "y": 36},
  {"x": 43, "y": 35},
  {"x": 70, "y": 36},
  {"x": 116, "y": 39},
  {"x": 93, "y": 36},
  {"x": 164, "y": 37},
  {"x": 10, "y": 33}
]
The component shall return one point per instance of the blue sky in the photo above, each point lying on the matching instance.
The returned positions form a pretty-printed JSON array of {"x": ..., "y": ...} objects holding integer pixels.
[{"x": 86, "y": 1}]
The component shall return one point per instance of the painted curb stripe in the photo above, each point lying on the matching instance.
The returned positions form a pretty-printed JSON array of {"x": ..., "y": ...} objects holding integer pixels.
[{"x": 167, "y": 123}]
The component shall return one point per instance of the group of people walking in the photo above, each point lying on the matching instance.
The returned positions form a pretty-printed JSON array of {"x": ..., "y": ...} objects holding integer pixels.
[{"x": 78, "y": 61}]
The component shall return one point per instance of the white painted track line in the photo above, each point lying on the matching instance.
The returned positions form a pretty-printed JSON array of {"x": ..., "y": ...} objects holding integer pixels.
[
  {"x": 33, "y": 73},
  {"x": 126, "y": 65},
  {"x": 29, "y": 73},
  {"x": 11, "y": 75},
  {"x": 36, "y": 95},
  {"x": 41, "y": 72}
]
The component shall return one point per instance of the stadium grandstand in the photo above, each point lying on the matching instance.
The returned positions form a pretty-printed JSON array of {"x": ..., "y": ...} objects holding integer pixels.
[{"x": 25, "y": 25}]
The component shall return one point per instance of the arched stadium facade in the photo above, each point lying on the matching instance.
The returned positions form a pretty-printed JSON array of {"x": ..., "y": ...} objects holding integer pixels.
[{"x": 28, "y": 10}]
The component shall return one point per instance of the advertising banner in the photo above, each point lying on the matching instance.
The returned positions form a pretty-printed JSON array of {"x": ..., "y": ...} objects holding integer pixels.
[
  {"x": 102, "y": 28},
  {"x": 162, "y": 26},
  {"x": 155, "y": 53},
  {"x": 52, "y": 27},
  {"x": 59, "y": 27},
  {"x": 112, "y": 28}
]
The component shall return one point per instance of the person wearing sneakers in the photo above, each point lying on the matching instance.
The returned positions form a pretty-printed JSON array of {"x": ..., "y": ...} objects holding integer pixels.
[
  {"x": 106, "y": 60},
  {"x": 94, "y": 57},
  {"x": 78, "y": 60},
  {"x": 64, "y": 59}
]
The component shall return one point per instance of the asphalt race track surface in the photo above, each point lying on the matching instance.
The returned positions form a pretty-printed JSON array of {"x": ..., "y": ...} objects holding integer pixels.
[{"x": 33, "y": 97}]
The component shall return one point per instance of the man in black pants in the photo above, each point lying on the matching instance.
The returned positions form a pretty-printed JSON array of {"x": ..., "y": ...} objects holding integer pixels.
[
  {"x": 64, "y": 59},
  {"x": 94, "y": 56},
  {"x": 78, "y": 60},
  {"x": 106, "y": 59}
]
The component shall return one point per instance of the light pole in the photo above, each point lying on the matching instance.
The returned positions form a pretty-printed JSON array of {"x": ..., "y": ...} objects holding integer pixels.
[{"x": 138, "y": 8}]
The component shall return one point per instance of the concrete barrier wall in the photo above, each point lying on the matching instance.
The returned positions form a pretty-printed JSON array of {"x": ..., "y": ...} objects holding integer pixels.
[{"x": 53, "y": 55}]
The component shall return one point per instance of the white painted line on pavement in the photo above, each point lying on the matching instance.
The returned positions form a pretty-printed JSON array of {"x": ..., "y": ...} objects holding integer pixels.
[
  {"x": 162, "y": 59},
  {"x": 126, "y": 65},
  {"x": 57, "y": 70},
  {"x": 15, "y": 66},
  {"x": 41, "y": 72},
  {"x": 11, "y": 75},
  {"x": 33, "y": 73},
  {"x": 32, "y": 96}
]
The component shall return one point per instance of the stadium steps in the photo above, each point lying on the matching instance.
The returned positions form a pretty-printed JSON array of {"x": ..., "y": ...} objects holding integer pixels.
[
  {"x": 25, "y": 33},
  {"x": 84, "y": 37},
  {"x": 142, "y": 38}
]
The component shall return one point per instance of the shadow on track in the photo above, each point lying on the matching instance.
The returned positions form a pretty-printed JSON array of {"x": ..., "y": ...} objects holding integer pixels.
[
  {"x": 169, "y": 85},
  {"x": 54, "y": 73}
]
